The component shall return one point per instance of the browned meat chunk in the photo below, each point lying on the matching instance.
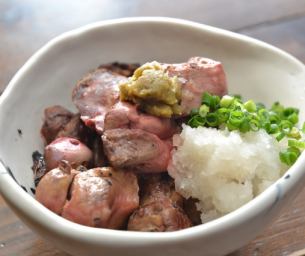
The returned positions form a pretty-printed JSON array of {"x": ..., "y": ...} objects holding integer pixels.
[
  {"x": 95, "y": 94},
  {"x": 123, "y": 69},
  {"x": 72, "y": 128},
  {"x": 156, "y": 186},
  {"x": 53, "y": 188},
  {"x": 69, "y": 149},
  {"x": 126, "y": 115},
  {"x": 158, "y": 216},
  {"x": 190, "y": 209},
  {"x": 99, "y": 158},
  {"x": 55, "y": 119},
  {"x": 75, "y": 128},
  {"x": 136, "y": 149},
  {"x": 198, "y": 75},
  {"x": 39, "y": 167},
  {"x": 102, "y": 197},
  {"x": 160, "y": 207}
]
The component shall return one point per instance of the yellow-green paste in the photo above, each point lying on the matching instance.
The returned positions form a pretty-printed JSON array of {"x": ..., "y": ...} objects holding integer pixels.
[{"x": 155, "y": 92}]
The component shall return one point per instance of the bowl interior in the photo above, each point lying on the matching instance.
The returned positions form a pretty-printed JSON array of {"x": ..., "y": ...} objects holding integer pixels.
[{"x": 254, "y": 70}]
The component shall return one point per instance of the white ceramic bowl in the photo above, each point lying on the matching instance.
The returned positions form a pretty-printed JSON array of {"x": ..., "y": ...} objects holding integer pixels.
[{"x": 254, "y": 69}]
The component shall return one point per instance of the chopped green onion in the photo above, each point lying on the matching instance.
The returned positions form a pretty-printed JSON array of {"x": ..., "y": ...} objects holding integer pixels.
[
  {"x": 226, "y": 101},
  {"x": 232, "y": 127},
  {"x": 250, "y": 106},
  {"x": 289, "y": 111},
  {"x": 210, "y": 100},
  {"x": 236, "y": 118},
  {"x": 196, "y": 121},
  {"x": 223, "y": 114},
  {"x": 271, "y": 128},
  {"x": 230, "y": 112},
  {"x": 274, "y": 128},
  {"x": 254, "y": 125},
  {"x": 285, "y": 126},
  {"x": 296, "y": 144},
  {"x": 203, "y": 110},
  {"x": 274, "y": 118},
  {"x": 245, "y": 126},
  {"x": 263, "y": 113},
  {"x": 206, "y": 99},
  {"x": 293, "y": 118},
  {"x": 215, "y": 102},
  {"x": 212, "y": 119},
  {"x": 277, "y": 107},
  {"x": 279, "y": 136},
  {"x": 294, "y": 133},
  {"x": 289, "y": 156}
]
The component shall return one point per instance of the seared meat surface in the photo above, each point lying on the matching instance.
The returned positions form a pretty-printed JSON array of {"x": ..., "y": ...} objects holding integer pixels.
[
  {"x": 60, "y": 122},
  {"x": 160, "y": 207},
  {"x": 126, "y": 115},
  {"x": 123, "y": 69},
  {"x": 76, "y": 129},
  {"x": 198, "y": 75},
  {"x": 156, "y": 186},
  {"x": 95, "y": 94},
  {"x": 98, "y": 158},
  {"x": 158, "y": 216},
  {"x": 102, "y": 197},
  {"x": 39, "y": 167},
  {"x": 68, "y": 149},
  {"x": 55, "y": 119},
  {"x": 72, "y": 128},
  {"x": 108, "y": 131},
  {"x": 52, "y": 190},
  {"x": 189, "y": 206},
  {"x": 136, "y": 149}
]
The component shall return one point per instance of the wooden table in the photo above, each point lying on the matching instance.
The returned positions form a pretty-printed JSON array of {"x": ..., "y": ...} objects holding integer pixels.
[{"x": 25, "y": 25}]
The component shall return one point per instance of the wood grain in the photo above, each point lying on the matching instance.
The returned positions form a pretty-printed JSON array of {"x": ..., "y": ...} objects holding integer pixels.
[{"x": 25, "y": 25}]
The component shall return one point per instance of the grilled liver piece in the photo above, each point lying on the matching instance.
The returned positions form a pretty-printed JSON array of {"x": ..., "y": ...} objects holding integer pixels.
[
  {"x": 102, "y": 197},
  {"x": 160, "y": 206},
  {"x": 136, "y": 149},
  {"x": 55, "y": 119},
  {"x": 53, "y": 188},
  {"x": 126, "y": 115},
  {"x": 95, "y": 94},
  {"x": 198, "y": 75},
  {"x": 69, "y": 149}
]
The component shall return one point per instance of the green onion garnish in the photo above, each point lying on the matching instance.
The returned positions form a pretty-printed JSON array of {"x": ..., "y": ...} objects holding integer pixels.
[
  {"x": 232, "y": 113},
  {"x": 226, "y": 101},
  {"x": 203, "y": 110},
  {"x": 296, "y": 144},
  {"x": 250, "y": 106},
  {"x": 212, "y": 120},
  {"x": 289, "y": 156}
]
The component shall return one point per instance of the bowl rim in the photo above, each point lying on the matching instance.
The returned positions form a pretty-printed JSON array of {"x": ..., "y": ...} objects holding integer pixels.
[{"x": 20, "y": 201}]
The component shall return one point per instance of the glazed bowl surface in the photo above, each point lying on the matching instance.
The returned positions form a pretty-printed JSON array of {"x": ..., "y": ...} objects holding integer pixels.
[{"x": 254, "y": 69}]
